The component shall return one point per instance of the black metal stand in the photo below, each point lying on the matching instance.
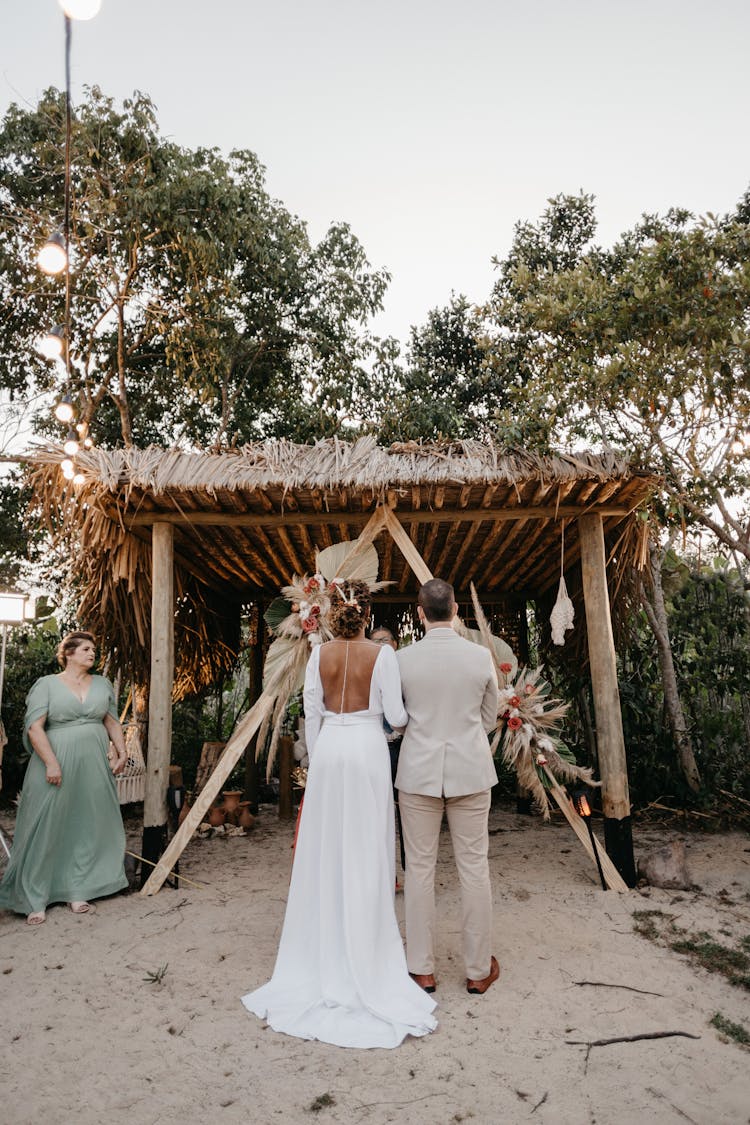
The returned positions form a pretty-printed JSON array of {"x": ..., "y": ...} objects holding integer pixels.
[{"x": 592, "y": 837}]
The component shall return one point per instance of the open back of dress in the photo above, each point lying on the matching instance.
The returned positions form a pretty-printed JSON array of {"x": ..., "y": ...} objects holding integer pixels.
[{"x": 346, "y": 669}]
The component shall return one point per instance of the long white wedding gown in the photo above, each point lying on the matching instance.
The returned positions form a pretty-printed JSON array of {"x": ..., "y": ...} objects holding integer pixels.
[{"x": 340, "y": 973}]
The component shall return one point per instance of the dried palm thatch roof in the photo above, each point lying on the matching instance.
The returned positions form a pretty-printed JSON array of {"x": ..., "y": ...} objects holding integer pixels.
[{"x": 247, "y": 519}]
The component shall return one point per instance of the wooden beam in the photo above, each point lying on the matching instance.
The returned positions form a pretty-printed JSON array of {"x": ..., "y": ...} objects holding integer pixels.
[
  {"x": 469, "y": 537},
  {"x": 311, "y": 519},
  {"x": 603, "y": 666},
  {"x": 406, "y": 547},
  {"x": 160, "y": 693},
  {"x": 233, "y": 751}
]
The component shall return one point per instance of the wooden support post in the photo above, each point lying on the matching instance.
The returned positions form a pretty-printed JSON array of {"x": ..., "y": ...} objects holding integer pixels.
[
  {"x": 160, "y": 693},
  {"x": 286, "y": 759},
  {"x": 233, "y": 751},
  {"x": 603, "y": 665}
]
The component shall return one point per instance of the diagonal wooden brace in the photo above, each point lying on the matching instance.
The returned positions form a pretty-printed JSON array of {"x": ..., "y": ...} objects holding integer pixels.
[
  {"x": 233, "y": 751},
  {"x": 612, "y": 876}
]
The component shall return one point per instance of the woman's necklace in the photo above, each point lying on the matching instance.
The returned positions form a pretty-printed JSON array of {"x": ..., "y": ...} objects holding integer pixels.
[{"x": 77, "y": 686}]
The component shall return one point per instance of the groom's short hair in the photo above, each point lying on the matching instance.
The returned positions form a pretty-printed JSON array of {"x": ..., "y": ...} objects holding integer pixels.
[{"x": 437, "y": 600}]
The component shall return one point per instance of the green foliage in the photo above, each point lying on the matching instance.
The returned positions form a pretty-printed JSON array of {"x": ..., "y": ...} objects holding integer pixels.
[
  {"x": 643, "y": 347},
  {"x": 201, "y": 312},
  {"x": 447, "y": 389},
  {"x": 20, "y": 540},
  {"x": 709, "y": 626},
  {"x": 731, "y": 1030},
  {"x": 30, "y": 653},
  {"x": 699, "y": 947}
]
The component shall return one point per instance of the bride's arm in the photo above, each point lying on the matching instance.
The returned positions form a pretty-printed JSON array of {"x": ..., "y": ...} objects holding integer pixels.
[
  {"x": 312, "y": 696},
  {"x": 389, "y": 682}
]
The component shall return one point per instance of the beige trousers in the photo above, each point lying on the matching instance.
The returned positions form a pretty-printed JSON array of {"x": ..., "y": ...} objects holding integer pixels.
[{"x": 421, "y": 818}]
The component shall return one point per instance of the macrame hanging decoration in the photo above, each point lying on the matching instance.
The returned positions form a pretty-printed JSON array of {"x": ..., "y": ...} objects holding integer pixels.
[{"x": 561, "y": 618}]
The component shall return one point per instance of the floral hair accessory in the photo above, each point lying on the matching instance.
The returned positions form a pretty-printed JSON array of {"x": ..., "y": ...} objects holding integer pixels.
[{"x": 299, "y": 620}]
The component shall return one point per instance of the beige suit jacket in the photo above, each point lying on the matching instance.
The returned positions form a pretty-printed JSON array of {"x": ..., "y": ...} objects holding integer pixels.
[{"x": 450, "y": 692}]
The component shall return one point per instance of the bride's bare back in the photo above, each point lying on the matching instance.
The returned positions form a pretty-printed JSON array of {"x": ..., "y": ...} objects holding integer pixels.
[{"x": 346, "y": 672}]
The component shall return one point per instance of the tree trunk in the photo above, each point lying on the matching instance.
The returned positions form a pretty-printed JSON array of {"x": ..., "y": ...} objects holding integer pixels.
[
  {"x": 121, "y": 398},
  {"x": 588, "y": 727},
  {"x": 656, "y": 612}
]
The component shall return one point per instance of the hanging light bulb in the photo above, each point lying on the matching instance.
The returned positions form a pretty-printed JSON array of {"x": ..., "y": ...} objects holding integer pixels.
[
  {"x": 79, "y": 479},
  {"x": 52, "y": 345},
  {"x": 80, "y": 9},
  {"x": 53, "y": 257},
  {"x": 70, "y": 445},
  {"x": 68, "y": 471},
  {"x": 64, "y": 410},
  {"x": 88, "y": 442}
]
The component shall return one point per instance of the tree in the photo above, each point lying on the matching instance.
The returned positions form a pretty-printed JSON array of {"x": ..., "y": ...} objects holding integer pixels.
[
  {"x": 644, "y": 347},
  {"x": 200, "y": 312},
  {"x": 445, "y": 390}
]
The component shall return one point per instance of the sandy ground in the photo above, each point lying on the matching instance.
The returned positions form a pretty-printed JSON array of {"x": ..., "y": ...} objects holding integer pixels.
[{"x": 86, "y": 1037}]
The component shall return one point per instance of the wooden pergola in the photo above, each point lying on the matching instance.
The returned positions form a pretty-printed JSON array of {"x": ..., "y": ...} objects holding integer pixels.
[{"x": 171, "y": 545}]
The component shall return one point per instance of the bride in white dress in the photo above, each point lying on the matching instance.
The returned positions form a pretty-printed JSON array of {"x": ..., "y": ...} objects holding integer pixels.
[{"x": 340, "y": 973}]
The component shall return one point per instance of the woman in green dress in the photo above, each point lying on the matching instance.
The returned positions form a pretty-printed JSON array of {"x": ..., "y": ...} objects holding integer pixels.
[{"x": 69, "y": 843}]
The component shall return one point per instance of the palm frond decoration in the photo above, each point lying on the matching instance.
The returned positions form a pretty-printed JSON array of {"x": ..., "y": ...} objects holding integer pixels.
[{"x": 528, "y": 723}]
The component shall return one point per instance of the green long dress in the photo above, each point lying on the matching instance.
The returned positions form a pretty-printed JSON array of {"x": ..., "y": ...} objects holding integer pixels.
[{"x": 69, "y": 843}]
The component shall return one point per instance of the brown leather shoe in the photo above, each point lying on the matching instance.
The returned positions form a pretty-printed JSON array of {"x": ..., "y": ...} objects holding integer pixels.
[
  {"x": 477, "y": 987},
  {"x": 425, "y": 981}
]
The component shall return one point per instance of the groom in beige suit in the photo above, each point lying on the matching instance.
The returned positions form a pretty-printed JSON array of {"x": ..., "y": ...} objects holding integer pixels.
[{"x": 450, "y": 692}]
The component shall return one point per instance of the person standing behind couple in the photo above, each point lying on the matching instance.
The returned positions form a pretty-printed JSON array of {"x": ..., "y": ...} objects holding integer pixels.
[{"x": 450, "y": 693}]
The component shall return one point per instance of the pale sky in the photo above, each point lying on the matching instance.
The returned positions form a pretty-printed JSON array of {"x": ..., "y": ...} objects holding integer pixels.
[{"x": 430, "y": 127}]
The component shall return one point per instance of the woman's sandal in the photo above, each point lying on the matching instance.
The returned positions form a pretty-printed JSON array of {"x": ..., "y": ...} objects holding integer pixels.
[
  {"x": 36, "y": 918},
  {"x": 79, "y": 907}
]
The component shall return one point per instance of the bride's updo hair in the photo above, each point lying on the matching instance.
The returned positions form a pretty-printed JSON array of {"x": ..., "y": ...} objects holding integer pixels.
[{"x": 350, "y": 607}]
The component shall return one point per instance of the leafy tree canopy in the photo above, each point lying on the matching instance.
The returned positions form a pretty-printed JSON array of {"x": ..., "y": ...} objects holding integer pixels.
[
  {"x": 200, "y": 311},
  {"x": 642, "y": 347}
]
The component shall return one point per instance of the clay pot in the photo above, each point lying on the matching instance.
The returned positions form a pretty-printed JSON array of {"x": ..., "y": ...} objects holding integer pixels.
[
  {"x": 231, "y": 804},
  {"x": 246, "y": 819},
  {"x": 231, "y": 799},
  {"x": 216, "y": 816}
]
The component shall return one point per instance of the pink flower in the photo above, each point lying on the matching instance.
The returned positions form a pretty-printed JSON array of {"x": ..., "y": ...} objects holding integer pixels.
[
  {"x": 515, "y": 723},
  {"x": 506, "y": 668},
  {"x": 529, "y": 689},
  {"x": 310, "y": 624},
  {"x": 514, "y": 701}
]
